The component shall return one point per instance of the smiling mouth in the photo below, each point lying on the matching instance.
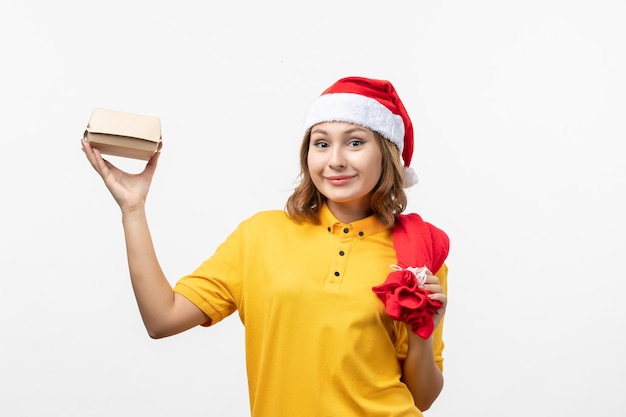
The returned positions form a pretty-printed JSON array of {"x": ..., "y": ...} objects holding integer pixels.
[{"x": 339, "y": 180}]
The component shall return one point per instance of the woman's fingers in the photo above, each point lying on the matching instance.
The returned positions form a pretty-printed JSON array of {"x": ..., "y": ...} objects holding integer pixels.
[
  {"x": 151, "y": 166},
  {"x": 435, "y": 290},
  {"x": 88, "y": 150},
  {"x": 95, "y": 158},
  {"x": 432, "y": 284},
  {"x": 437, "y": 296}
]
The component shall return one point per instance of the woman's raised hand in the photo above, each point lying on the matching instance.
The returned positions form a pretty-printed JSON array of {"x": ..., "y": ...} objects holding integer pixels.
[{"x": 128, "y": 190}]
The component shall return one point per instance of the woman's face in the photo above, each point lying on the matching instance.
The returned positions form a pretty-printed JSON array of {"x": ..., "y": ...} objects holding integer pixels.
[{"x": 345, "y": 164}]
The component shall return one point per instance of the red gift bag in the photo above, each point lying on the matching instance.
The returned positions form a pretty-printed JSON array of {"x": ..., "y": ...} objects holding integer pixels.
[{"x": 419, "y": 246}]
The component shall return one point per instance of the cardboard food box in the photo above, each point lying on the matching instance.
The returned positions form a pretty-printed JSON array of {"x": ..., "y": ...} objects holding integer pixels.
[{"x": 124, "y": 134}]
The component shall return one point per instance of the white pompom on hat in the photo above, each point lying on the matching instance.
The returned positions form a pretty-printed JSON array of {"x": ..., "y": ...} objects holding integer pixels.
[{"x": 371, "y": 103}]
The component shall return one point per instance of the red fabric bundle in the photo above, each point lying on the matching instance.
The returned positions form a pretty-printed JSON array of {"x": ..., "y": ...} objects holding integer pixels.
[{"x": 418, "y": 244}]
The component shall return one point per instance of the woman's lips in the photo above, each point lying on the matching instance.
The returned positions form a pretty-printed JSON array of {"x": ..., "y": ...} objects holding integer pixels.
[{"x": 339, "y": 179}]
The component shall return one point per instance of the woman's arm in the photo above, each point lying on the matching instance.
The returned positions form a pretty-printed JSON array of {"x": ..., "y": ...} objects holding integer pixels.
[
  {"x": 420, "y": 371},
  {"x": 164, "y": 312}
]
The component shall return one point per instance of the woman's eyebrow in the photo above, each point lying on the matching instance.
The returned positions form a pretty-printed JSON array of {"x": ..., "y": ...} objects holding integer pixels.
[
  {"x": 348, "y": 131},
  {"x": 318, "y": 130},
  {"x": 356, "y": 129}
]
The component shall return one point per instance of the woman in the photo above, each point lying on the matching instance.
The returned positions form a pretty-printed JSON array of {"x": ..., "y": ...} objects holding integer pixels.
[{"x": 307, "y": 281}]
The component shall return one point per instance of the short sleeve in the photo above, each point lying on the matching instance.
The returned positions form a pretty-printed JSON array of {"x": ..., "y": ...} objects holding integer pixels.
[{"x": 215, "y": 286}]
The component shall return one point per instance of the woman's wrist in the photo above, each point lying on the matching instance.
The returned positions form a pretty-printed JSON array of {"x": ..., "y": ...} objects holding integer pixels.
[
  {"x": 418, "y": 343},
  {"x": 133, "y": 214}
]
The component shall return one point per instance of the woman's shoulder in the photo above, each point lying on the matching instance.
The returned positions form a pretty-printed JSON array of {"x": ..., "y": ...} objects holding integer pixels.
[
  {"x": 270, "y": 215},
  {"x": 268, "y": 223},
  {"x": 268, "y": 218}
]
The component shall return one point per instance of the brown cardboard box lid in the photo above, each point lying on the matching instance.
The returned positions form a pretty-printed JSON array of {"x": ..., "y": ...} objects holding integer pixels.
[{"x": 124, "y": 134}]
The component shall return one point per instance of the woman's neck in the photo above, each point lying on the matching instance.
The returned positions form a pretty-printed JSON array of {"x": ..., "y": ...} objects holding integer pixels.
[{"x": 349, "y": 212}]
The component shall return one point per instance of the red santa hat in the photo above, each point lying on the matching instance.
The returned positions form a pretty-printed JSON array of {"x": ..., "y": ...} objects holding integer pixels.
[{"x": 371, "y": 103}]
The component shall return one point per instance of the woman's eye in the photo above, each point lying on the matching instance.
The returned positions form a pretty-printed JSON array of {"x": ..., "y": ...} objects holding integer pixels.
[
  {"x": 320, "y": 144},
  {"x": 355, "y": 142}
]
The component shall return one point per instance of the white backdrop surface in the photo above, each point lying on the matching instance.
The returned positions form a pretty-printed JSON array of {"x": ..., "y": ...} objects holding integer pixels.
[{"x": 519, "y": 115}]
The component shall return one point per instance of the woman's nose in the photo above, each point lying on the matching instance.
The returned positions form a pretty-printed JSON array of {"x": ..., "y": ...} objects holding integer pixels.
[{"x": 337, "y": 158}]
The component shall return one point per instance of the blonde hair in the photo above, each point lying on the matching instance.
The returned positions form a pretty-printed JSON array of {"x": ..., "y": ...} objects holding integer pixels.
[{"x": 387, "y": 201}]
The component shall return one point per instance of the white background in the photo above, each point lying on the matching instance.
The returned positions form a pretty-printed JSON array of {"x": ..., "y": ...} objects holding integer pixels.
[{"x": 519, "y": 119}]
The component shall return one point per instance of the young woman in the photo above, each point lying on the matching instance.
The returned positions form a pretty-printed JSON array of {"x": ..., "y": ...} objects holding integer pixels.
[{"x": 312, "y": 284}]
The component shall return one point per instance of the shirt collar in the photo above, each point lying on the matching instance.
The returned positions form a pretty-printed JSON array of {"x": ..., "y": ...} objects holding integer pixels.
[{"x": 360, "y": 228}]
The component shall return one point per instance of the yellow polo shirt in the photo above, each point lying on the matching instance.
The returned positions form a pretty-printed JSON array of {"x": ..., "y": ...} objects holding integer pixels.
[{"x": 318, "y": 342}]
